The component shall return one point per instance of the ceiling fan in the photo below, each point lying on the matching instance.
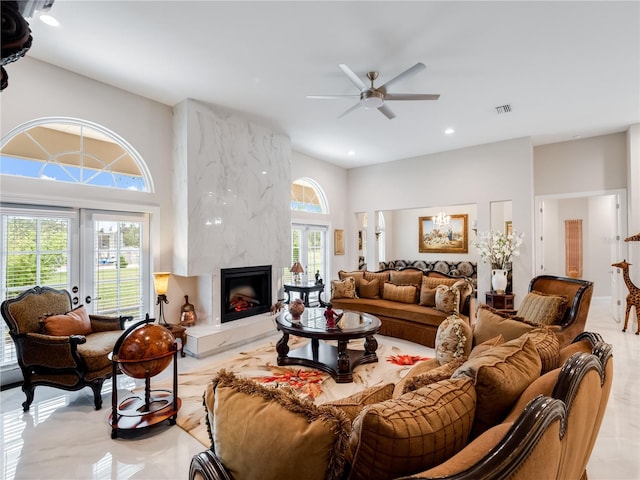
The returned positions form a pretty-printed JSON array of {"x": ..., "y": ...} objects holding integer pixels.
[{"x": 372, "y": 97}]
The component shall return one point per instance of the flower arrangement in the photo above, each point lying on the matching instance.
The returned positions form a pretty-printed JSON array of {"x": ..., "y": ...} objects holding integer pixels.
[{"x": 498, "y": 248}]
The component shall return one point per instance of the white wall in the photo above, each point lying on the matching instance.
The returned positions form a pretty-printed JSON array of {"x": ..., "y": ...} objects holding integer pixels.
[{"x": 475, "y": 175}]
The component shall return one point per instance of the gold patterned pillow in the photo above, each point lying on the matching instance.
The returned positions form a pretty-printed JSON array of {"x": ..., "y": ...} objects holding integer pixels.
[
  {"x": 353, "y": 404},
  {"x": 427, "y": 294},
  {"x": 443, "y": 372},
  {"x": 447, "y": 299},
  {"x": 380, "y": 276},
  {"x": 343, "y": 288},
  {"x": 400, "y": 293},
  {"x": 406, "y": 277},
  {"x": 454, "y": 339},
  {"x": 543, "y": 308},
  {"x": 490, "y": 323},
  {"x": 433, "y": 282}
]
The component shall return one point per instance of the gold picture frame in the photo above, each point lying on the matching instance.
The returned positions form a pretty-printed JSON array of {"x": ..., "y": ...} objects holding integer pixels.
[
  {"x": 454, "y": 238},
  {"x": 338, "y": 242}
]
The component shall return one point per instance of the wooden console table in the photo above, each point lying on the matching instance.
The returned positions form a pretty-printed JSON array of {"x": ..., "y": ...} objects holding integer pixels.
[{"x": 304, "y": 289}]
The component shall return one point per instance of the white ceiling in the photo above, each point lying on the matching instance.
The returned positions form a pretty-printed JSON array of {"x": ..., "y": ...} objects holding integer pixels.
[{"x": 567, "y": 69}]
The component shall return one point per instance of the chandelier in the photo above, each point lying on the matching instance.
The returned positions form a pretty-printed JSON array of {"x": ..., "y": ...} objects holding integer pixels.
[{"x": 441, "y": 220}]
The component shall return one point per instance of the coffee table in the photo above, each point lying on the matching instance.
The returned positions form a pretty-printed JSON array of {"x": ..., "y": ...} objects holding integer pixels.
[{"x": 338, "y": 361}]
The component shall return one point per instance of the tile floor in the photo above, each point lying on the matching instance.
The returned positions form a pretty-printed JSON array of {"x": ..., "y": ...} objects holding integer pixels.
[{"x": 63, "y": 437}]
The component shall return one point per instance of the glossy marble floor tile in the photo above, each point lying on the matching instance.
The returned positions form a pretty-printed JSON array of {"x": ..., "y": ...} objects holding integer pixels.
[{"x": 63, "y": 437}]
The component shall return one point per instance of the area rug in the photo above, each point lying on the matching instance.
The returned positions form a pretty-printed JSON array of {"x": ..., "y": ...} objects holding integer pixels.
[{"x": 395, "y": 358}]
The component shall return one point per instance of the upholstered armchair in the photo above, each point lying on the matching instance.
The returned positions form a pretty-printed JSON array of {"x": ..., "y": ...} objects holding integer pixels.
[{"x": 57, "y": 346}]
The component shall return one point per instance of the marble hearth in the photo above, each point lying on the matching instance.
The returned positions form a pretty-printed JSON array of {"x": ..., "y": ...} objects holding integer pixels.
[{"x": 204, "y": 340}]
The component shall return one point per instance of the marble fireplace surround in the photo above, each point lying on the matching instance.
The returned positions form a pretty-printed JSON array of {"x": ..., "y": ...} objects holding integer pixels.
[{"x": 232, "y": 183}]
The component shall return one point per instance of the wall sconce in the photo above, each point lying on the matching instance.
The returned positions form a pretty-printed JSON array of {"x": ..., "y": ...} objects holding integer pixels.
[
  {"x": 161, "y": 283},
  {"x": 296, "y": 269},
  {"x": 474, "y": 226}
]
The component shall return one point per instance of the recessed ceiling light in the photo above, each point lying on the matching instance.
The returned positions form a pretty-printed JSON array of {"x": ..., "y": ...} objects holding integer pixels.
[
  {"x": 49, "y": 20},
  {"x": 264, "y": 172},
  {"x": 449, "y": 131},
  {"x": 351, "y": 153}
]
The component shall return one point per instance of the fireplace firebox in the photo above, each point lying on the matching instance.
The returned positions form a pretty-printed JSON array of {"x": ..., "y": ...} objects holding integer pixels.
[{"x": 245, "y": 291}]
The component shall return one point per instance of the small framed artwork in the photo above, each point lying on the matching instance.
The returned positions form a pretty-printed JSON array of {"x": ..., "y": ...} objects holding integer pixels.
[
  {"x": 338, "y": 242},
  {"x": 508, "y": 227},
  {"x": 452, "y": 238}
]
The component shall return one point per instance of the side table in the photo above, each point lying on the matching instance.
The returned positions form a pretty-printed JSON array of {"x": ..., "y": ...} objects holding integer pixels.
[
  {"x": 500, "y": 301},
  {"x": 304, "y": 290},
  {"x": 178, "y": 332}
]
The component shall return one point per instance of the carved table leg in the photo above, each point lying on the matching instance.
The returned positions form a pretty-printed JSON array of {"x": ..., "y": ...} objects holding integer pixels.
[
  {"x": 370, "y": 345},
  {"x": 282, "y": 346},
  {"x": 343, "y": 357}
]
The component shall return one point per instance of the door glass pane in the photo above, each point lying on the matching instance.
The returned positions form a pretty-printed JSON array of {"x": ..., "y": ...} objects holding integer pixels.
[
  {"x": 118, "y": 274},
  {"x": 315, "y": 253},
  {"x": 36, "y": 251}
]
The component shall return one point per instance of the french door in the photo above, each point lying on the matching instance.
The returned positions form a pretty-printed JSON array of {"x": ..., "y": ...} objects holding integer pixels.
[
  {"x": 101, "y": 258},
  {"x": 308, "y": 246}
]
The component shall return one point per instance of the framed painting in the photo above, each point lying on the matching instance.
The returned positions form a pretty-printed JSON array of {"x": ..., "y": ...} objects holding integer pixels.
[
  {"x": 338, "y": 242},
  {"x": 452, "y": 238}
]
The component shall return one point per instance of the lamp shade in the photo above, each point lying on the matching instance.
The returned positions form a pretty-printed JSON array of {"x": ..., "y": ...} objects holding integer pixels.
[
  {"x": 161, "y": 282},
  {"x": 297, "y": 268}
]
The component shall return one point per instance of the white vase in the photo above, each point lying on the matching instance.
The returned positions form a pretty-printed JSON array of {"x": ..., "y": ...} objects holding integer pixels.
[{"x": 499, "y": 280}]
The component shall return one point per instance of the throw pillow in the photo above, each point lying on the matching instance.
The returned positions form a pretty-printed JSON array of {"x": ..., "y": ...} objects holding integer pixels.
[
  {"x": 369, "y": 288},
  {"x": 486, "y": 345},
  {"x": 433, "y": 282},
  {"x": 427, "y": 294},
  {"x": 543, "y": 308},
  {"x": 399, "y": 293},
  {"x": 343, "y": 288},
  {"x": 443, "y": 372},
  {"x": 547, "y": 346},
  {"x": 356, "y": 274},
  {"x": 453, "y": 339},
  {"x": 490, "y": 323},
  {"x": 406, "y": 277},
  {"x": 353, "y": 404},
  {"x": 74, "y": 322},
  {"x": 249, "y": 420},
  {"x": 500, "y": 375},
  {"x": 412, "y": 433},
  {"x": 447, "y": 299},
  {"x": 380, "y": 276},
  {"x": 418, "y": 369}
]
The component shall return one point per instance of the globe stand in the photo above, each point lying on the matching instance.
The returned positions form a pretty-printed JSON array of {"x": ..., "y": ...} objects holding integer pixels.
[{"x": 136, "y": 411}]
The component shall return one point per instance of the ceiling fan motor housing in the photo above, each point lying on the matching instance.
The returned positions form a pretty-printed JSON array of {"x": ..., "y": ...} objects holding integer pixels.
[{"x": 371, "y": 98}]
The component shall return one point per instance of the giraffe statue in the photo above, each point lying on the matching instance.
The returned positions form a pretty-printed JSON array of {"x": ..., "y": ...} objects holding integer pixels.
[
  {"x": 633, "y": 299},
  {"x": 633, "y": 238}
]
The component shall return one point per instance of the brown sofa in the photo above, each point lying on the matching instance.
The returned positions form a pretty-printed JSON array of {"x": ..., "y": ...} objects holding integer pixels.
[
  {"x": 547, "y": 430},
  {"x": 409, "y": 321}
]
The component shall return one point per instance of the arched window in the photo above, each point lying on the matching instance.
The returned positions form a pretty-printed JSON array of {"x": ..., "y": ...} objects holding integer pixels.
[
  {"x": 75, "y": 151},
  {"x": 307, "y": 196}
]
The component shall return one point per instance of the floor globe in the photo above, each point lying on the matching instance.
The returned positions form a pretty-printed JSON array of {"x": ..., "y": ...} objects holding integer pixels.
[{"x": 146, "y": 351}]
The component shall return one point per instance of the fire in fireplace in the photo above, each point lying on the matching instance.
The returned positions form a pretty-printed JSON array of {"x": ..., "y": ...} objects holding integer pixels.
[{"x": 245, "y": 292}]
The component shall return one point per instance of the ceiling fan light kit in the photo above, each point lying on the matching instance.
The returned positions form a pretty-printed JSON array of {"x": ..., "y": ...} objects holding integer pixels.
[{"x": 372, "y": 97}]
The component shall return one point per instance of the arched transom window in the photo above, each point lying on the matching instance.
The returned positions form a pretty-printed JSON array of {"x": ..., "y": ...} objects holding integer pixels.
[
  {"x": 307, "y": 196},
  {"x": 75, "y": 151}
]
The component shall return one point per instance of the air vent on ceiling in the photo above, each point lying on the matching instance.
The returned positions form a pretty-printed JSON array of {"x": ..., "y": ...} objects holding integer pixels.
[{"x": 503, "y": 108}]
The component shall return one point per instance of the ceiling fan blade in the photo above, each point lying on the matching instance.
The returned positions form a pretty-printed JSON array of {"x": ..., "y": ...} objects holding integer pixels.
[
  {"x": 324, "y": 97},
  {"x": 411, "y": 96},
  {"x": 408, "y": 72},
  {"x": 353, "y": 77},
  {"x": 352, "y": 109},
  {"x": 386, "y": 111}
]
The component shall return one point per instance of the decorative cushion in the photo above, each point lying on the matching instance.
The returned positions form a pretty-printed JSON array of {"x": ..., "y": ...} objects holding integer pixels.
[
  {"x": 343, "y": 288},
  {"x": 418, "y": 369},
  {"x": 486, "y": 345},
  {"x": 454, "y": 339},
  {"x": 543, "y": 308},
  {"x": 427, "y": 294},
  {"x": 369, "y": 288},
  {"x": 353, "y": 404},
  {"x": 380, "y": 276},
  {"x": 490, "y": 323},
  {"x": 400, "y": 293},
  {"x": 356, "y": 274},
  {"x": 443, "y": 372},
  {"x": 412, "y": 433},
  {"x": 433, "y": 282},
  {"x": 447, "y": 299},
  {"x": 500, "y": 375},
  {"x": 406, "y": 277},
  {"x": 249, "y": 420},
  {"x": 75, "y": 322},
  {"x": 547, "y": 346}
]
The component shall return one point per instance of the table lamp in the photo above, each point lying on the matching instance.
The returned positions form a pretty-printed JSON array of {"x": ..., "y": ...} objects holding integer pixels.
[
  {"x": 296, "y": 269},
  {"x": 161, "y": 283}
]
